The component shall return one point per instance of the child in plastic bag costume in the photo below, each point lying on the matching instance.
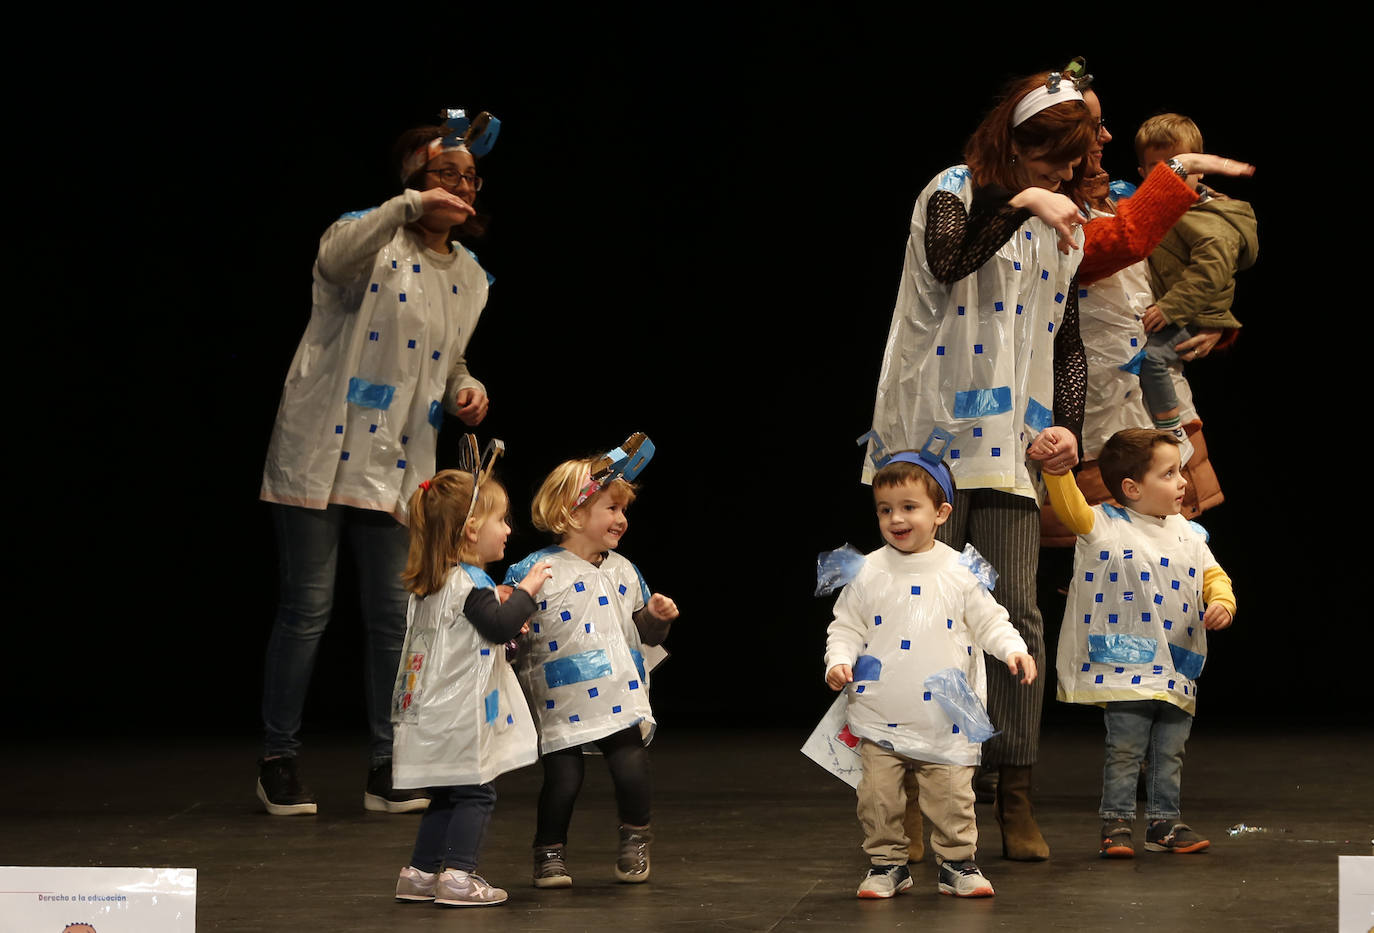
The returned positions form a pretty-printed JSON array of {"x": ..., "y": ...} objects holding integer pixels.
[
  {"x": 460, "y": 718},
  {"x": 582, "y": 666},
  {"x": 395, "y": 303},
  {"x": 915, "y": 610},
  {"x": 1145, "y": 591}
]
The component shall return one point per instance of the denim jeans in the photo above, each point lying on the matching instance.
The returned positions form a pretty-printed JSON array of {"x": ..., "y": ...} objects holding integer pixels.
[
  {"x": 1151, "y": 731},
  {"x": 1156, "y": 382},
  {"x": 451, "y": 830},
  {"x": 308, "y": 551}
]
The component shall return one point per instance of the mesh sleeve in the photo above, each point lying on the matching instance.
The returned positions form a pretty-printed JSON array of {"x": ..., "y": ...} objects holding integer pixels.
[{"x": 958, "y": 243}]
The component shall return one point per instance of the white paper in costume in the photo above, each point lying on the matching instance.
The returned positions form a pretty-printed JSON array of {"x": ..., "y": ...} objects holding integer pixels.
[
  {"x": 380, "y": 361},
  {"x": 459, "y": 715},
  {"x": 902, "y": 619},
  {"x": 832, "y": 746},
  {"x": 975, "y": 358},
  {"x": 1109, "y": 313},
  {"x": 581, "y": 663},
  {"x": 1132, "y": 626}
]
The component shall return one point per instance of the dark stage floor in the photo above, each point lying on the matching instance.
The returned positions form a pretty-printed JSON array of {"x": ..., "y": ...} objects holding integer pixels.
[{"x": 750, "y": 836}]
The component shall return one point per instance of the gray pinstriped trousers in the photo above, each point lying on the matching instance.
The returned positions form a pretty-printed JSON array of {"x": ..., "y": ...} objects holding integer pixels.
[{"x": 1006, "y": 530}]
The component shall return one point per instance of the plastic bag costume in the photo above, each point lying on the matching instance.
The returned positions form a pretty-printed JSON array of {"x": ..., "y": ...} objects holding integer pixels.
[
  {"x": 973, "y": 358},
  {"x": 458, "y": 714},
  {"x": 1133, "y": 623},
  {"x": 581, "y": 664},
  {"x": 904, "y": 618},
  {"x": 381, "y": 359}
]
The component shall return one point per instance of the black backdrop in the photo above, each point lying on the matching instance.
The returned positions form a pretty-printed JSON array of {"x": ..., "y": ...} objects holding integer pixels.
[{"x": 698, "y": 226}]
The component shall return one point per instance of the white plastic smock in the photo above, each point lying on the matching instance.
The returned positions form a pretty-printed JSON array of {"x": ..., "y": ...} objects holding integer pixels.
[
  {"x": 458, "y": 713},
  {"x": 975, "y": 358},
  {"x": 1133, "y": 622},
  {"x": 381, "y": 359},
  {"x": 581, "y": 662},
  {"x": 903, "y": 618},
  {"x": 1109, "y": 313}
]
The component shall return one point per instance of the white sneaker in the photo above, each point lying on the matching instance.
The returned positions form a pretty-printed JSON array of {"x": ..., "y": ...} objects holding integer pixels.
[
  {"x": 885, "y": 881},
  {"x": 416, "y": 885},
  {"x": 963, "y": 879},
  {"x": 465, "y": 889}
]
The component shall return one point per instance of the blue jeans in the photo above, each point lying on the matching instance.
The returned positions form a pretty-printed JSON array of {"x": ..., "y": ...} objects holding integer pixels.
[
  {"x": 1156, "y": 382},
  {"x": 1144, "y": 730},
  {"x": 451, "y": 830},
  {"x": 308, "y": 551}
]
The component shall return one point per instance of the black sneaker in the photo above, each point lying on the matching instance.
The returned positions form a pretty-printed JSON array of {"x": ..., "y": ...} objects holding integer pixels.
[
  {"x": 1172, "y": 836},
  {"x": 381, "y": 797},
  {"x": 280, "y": 788}
]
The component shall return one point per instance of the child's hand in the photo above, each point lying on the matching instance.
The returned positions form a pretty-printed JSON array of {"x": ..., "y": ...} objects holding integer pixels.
[
  {"x": 537, "y": 576},
  {"x": 662, "y": 608},
  {"x": 1056, "y": 448},
  {"x": 1153, "y": 319},
  {"x": 838, "y": 676},
  {"x": 1216, "y": 617},
  {"x": 503, "y": 591},
  {"x": 1021, "y": 663}
]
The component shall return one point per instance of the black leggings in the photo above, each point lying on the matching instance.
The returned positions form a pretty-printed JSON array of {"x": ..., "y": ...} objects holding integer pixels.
[{"x": 628, "y": 761}]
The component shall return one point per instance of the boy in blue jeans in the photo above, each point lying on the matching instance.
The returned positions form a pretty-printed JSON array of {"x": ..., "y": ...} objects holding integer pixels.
[{"x": 1134, "y": 636}]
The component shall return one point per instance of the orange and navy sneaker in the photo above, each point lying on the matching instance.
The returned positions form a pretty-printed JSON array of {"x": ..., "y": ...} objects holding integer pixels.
[{"x": 1116, "y": 840}]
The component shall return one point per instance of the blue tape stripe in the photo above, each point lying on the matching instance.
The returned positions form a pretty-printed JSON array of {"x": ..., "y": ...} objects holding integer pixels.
[
  {"x": 366, "y": 394},
  {"x": 954, "y": 180},
  {"x": 639, "y": 663},
  {"x": 1038, "y": 416},
  {"x": 577, "y": 668},
  {"x": 492, "y": 705},
  {"x": 975, "y": 403}
]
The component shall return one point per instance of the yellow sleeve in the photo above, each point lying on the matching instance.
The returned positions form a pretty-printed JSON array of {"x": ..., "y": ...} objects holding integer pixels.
[
  {"x": 1216, "y": 588},
  {"x": 1068, "y": 503}
]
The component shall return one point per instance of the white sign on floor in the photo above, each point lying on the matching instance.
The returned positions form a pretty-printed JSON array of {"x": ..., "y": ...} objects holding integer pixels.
[
  {"x": 1356, "y": 876},
  {"x": 97, "y": 900}
]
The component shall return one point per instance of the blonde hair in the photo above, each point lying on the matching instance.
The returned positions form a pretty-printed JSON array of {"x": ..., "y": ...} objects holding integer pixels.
[
  {"x": 555, "y": 505},
  {"x": 438, "y": 538},
  {"x": 1167, "y": 130}
]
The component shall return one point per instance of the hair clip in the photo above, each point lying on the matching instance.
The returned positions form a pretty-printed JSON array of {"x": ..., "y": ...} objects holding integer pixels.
[
  {"x": 1052, "y": 81},
  {"x": 1078, "y": 71},
  {"x": 478, "y": 466}
]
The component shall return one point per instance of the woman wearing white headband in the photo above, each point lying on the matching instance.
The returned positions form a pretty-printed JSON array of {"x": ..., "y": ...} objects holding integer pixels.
[
  {"x": 395, "y": 303},
  {"x": 982, "y": 355}
]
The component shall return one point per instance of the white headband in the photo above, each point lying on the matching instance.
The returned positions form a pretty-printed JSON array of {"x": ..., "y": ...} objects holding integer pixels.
[{"x": 1053, "y": 91}]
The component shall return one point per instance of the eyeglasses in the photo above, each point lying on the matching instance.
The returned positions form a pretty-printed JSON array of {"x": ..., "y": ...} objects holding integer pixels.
[{"x": 451, "y": 177}]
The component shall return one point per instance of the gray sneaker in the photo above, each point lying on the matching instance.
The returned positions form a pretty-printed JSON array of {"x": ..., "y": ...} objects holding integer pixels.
[
  {"x": 550, "y": 871},
  {"x": 465, "y": 889},
  {"x": 962, "y": 879},
  {"x": 1172, "y": 836},
  {"x": 416, "y": 885},
  {"x": 885, "y": 881},
  {"x": 633, "y": 864}
]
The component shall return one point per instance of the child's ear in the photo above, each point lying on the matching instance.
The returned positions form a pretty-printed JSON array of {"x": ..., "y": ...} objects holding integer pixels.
[
  {"x": 943, "y": 513},
  {"x": 1130, "y": 489},
  {"x": 470, "y": 531}
]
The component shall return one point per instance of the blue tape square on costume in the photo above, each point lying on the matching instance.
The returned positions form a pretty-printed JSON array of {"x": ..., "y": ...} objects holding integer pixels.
[
  {"x": 374, "y": 286},
  {"x": 402, "y": 296},
  {"x": 415, "y": 267},
  {"x": 977, "y": 432},
  {"x": 602, "y": 601},
  {"x": 867, "y": 667},
  {"x": 1159, "y": 599},
  {"x": 1127, "y": 553},
  {"x": 371, "y": 429},
  {"x": 996, "y": 451},
  {"x": 622, "y": 589},
  {"x": 405, "y": 439},
  {"x": 906, "y": 644},
  {"x": 1171, "y": 684},
  {"x": 1128, "y": 596},
  {"x": 435, "y": 355},
  {"x": 1059, "y": 300},
  {"x": 959, "y": 310},
  {"x": 615, "y": 709},
  {"x": 591, "y": 692},
  {"x": 1135, "y": 678},
  {"x": 491, "y": 705},
  {"x": 977, "y": 349},
  {"x": 1119, "y": 670},
  {"x": 859, "y": 688},
  {"x": 1168, "y": 623},
  {"x": 1121, "y": 649},
  {"x": 1097, "y": 597},
  {"x": 344, "y": 455},
  {"x": 1144, "y": 617},
  {"x": 548, "y": 704},
  {"x": 535, "y": 626},
  {"x": 926, "y": 696},
  {"x": 366, "y": 394},
  {"x": 639, "y": 662},
  {"x": 1111, "y": 618},
  {"x": 634, "y": 685},
  {"x": 579, "y": 586},
  {"x": 510, "y": 720},
  {"x": 956, "y": 729},
  {"x": 1044, "y": 273},
  {"x": 975, "y": 403},
  {"x": 877, "y": 620},
  {"x": 949, "y": 623},
  {"x": 1086, "y": 668},
  {"x": 1173, "y": 584},
  {"x": 915, "y": 591},
  {"x": 485, "y": 651},
  {"x": 1185, "y": 607},
  {"x": 970, "y": 650},
  {"x": 1103, "y": 555},
  {"x": 1097, "y": 679},
  {"x": 1088, "y": 577},
  {"x": 400, "y": 464},
  {"x": 939, "y": 351},
  {"x": 1192, "y": 571},
  {"x": 1112, "y": 576},
  {"x": 1083, "y": 293},
  {"x": 455, "y": 289},
  {"x": 1028, "y": 236},
  {"x": 997, "y": 306},
  {"x": 577, "y": 668},
  {"x": 587, "y": 627},
  {"x": 1158, "y": 669},
  {"x": 1164, "y": 562},
  {"x": 1087, "y": 618},
  {"x": 954, "y": 454},
  {"x": 436, "y": 415},
  {"x": 374, "y": 335},
  {"x": 393, "y": 264},
  {"x": 1020, "y": 308},
  {"x": 1016, "y": 264},
  {"x": 338, "y": 429},
  {"x": 1144, "y": 576},
  {"x": 565, "y": 615},
  {"x": 574, "y": 718},
  {"x": 1190, "y": 630}
]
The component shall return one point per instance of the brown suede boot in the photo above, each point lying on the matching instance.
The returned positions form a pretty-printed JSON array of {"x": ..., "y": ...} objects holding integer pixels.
[{"x": 1021, "y": 839}]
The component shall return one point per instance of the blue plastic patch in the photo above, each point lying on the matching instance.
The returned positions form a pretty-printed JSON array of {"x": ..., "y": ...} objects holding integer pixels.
[
  {"x": 517, "y": 571},
  {"x": 639, "y": 662},
  {"x": 978, "y": 565},
  {"x": 479, "y": 577},
  {"x": 1114, "y": 512},
  {"x": 1188, "y": 663},
  {"x": 1121, "y": 649},
  {"x": 1121, "y": 189},
  {"x": 354, "y": 215},
  {"x": 436, "y": 415},
  {"x": 835, "y": 569},
  {"x": 1202, "y": 532},
  {"x": 365, "y": 394},
  {"x": 577, "y": 668},
  {"x": 952, "y": 691},
  {"x": 954, "y": 180},
  {"x": 867, "y": 667},
  {"x": 976, "y": 403},
  {"x": 1132, "y": 365},
  {"x": 1038, "y": 417},
  {"x": 492, "y": 705}
]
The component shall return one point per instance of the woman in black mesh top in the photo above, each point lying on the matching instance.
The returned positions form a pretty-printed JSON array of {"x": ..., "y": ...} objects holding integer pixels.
[{"x": 982, "y": 356}]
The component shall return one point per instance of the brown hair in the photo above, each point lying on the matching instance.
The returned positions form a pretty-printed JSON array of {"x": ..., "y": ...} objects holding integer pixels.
[
  {"x": 1167, "y": 129},
  {"x": 438, "y": 538},
  {"x": 407, "y": 143},
  {"x": 895, "y": 474},
  {"x": 1059, "y": 133},
  {"x": 1127, "y": 455},
  {"x": 554, "y": 507}
]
